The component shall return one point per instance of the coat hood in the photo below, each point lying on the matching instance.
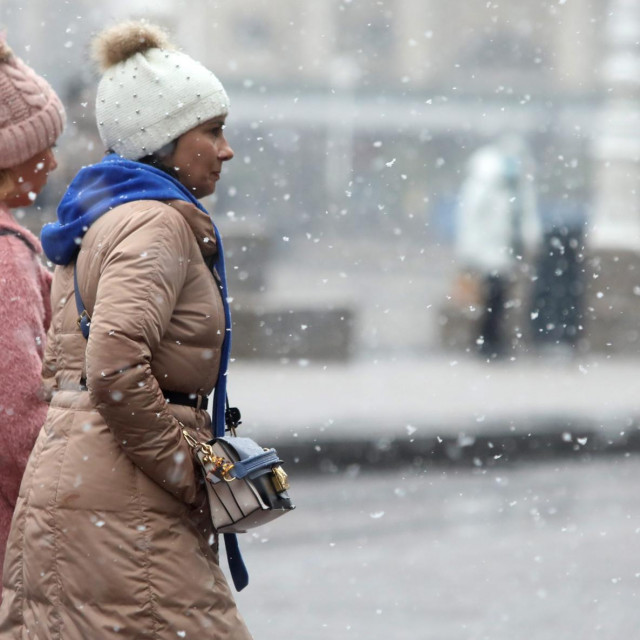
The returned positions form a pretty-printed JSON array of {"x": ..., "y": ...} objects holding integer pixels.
[{"x": 99, "y": 188}]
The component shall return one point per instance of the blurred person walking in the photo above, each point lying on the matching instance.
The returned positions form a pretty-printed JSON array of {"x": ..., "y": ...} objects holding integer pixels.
[
  {"x": 497, "y": 233},
  {"x": 112, "y": 536},
  {"x": 31, "y": 120}
]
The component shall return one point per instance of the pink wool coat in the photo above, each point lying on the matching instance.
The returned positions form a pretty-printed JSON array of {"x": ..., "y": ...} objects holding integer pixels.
[{"x": 25, "y": 314}]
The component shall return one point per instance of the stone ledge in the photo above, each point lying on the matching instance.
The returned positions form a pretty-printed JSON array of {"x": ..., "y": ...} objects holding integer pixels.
[
  {"x": 489, "y": 449},
  {"x": 299, "y": 333}
]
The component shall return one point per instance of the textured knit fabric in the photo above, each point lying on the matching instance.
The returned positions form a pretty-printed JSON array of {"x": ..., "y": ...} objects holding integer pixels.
[
  {"x": 153, "y": 98},
  {"x": 31, "y": 115},
  {"x": 24, "y": 318},
  {"x": 112, "y": 535}
]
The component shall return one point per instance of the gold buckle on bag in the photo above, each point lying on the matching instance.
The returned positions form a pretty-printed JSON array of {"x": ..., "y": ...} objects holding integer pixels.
[
  {"x": 82, "y": 316},
  {"x": 221, "y": 467},
  {"x": 280, "y": 479},
  {"x": 191, "y": 441}
]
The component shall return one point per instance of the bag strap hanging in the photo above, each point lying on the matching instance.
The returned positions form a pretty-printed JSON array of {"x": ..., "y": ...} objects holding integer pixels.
[
  {"x": 218, "y": 271},
  {"x": 221, "y": 411}
]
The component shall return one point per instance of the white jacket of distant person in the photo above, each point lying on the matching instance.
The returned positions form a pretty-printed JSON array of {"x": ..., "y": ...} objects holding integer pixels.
[{"x": 497, "y": 218}]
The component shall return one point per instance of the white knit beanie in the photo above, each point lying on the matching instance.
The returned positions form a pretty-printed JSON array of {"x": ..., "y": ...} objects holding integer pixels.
[{"x": 150, "y": 94}]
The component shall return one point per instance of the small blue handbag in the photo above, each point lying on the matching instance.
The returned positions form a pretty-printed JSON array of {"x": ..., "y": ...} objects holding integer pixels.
[{"x": 246, "y": 484}]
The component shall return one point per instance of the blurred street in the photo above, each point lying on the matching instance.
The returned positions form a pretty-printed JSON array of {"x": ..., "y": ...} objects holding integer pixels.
[{"x": 526, "y": 552}]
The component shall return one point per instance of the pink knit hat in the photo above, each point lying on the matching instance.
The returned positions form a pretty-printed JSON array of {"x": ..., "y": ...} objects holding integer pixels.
[{"x": 31, "y": 114}]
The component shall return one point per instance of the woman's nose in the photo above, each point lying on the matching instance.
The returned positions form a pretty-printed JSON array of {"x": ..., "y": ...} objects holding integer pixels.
[{"x": 226, "y": 153}]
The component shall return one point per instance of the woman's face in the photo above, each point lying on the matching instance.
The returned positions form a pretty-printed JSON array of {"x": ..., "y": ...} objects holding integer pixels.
[
  {"x": 30, "y": 177},
  {"x": 199, "y": 155}
]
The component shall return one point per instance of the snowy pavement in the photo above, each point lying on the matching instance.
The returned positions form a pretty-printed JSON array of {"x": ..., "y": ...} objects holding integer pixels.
[
  {"x": 533, "y": 552},
  {"x": 303, "y": 405}
]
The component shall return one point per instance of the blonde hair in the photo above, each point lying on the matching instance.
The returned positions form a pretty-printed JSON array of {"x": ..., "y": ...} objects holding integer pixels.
[{"x": 7, "y": 184}]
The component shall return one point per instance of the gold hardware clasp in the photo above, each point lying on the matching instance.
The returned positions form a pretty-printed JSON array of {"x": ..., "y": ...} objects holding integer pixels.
[
  {"x": 207, "y": 449},
  {"x": 221, "y": 467},
  {"x": 191, "y": 441},
  {"x": 83, "y": 315},
  {"x": 280, "y": 479}
]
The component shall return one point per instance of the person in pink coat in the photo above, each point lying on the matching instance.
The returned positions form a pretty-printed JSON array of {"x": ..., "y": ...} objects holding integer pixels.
[{"x": 31, "y": 119}]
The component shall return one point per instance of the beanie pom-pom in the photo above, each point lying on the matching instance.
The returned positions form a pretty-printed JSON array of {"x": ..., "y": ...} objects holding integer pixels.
[
  {"x": 5, "y": 50},
  {"x": 118, "y": 43}
]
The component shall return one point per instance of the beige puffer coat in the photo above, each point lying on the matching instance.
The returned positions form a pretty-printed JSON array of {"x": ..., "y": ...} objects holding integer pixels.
[{"x": 111, "y": 537}]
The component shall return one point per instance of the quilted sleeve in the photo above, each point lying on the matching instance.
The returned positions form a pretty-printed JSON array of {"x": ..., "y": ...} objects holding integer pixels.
[{"x": 140, "y": 281}]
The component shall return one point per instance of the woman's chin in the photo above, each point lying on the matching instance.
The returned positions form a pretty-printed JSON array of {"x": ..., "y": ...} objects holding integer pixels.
[{"x": 204, "y": 191}]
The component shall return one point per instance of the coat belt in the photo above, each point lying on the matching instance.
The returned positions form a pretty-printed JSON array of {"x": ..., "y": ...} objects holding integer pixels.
[{"x": 194, "y": 400}]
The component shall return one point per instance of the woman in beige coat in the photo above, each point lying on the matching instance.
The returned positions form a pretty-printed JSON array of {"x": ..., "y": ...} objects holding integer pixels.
[{"x": 112, "y": 535}]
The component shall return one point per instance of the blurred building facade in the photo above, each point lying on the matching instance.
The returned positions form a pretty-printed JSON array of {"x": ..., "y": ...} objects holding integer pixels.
[
  {"x": 613, "y": 294},
  {"x": 352, "y": 122}
]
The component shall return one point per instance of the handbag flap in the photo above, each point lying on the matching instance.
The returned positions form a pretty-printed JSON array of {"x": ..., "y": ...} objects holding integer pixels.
[
  {"x": 243, "y": 447},
  {"x": 248, "y": 457}
]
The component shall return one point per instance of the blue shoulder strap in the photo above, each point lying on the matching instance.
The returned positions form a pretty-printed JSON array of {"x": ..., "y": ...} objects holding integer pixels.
[
  {"x": 83, "y": 317},
  {"x": 238, "y": 570}
]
